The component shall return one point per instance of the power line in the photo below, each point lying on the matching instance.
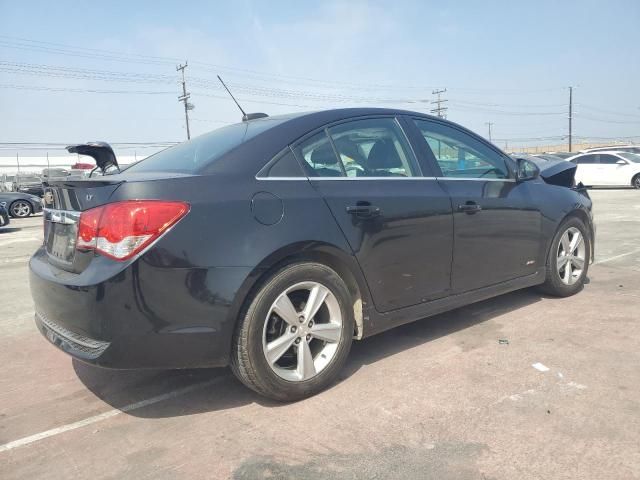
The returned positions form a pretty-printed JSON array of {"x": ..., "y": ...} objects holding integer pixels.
[
  {"x": 608, "y": 112},
  {"x": 628, "y": 122},
  {"x": 501, "y": 112},
  {"x": 83, "y": 90},
  {"x": 85, "y": 52}
]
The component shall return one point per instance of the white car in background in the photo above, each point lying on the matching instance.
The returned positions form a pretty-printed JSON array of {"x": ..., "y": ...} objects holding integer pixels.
[
  {"x": 616, "y": 148},
  {"x": 607, "y": 168}
]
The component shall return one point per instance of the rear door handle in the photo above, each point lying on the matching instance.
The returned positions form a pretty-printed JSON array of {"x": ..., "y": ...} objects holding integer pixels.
[
  {"x": 469, "y": 207},
  {"x": 363, "y": 211}
]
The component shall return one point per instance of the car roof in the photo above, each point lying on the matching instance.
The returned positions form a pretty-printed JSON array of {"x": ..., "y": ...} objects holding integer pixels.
[
  {"x": 608, "y": 148},
  {"x": 613, "y": 152},
  {"x": 287, "y": 129}
]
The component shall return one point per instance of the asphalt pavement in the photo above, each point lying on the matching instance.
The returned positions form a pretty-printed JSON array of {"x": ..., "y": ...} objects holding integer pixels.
[{"x": 521, "y": 386}]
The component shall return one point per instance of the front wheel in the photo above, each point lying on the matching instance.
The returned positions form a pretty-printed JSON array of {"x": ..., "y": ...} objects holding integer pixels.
[
  {"x": 568, "y": 259},
  {"x": 296, "y": 333},
  {"x": 20, "y": 209},
  {"x": 635, "y": 181}
]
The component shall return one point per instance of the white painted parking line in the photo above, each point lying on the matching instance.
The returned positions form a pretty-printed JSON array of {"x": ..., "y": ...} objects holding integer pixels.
[
  {"x": 617, "y": 257},
  {"x": 9, "y": 241},
  {"x": 23, "y": 259},
  {"x": 106, "y": 415}
]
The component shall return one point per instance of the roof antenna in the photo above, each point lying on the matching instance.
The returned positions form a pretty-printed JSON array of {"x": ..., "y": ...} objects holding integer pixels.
[{"x": 245, "y": 116}]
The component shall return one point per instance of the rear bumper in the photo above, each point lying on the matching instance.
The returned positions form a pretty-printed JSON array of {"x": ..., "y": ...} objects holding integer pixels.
[{"x": 140, "y": 315}]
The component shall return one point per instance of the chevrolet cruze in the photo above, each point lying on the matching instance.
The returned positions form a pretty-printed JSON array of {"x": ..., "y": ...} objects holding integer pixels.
[{"x": 270, "y": 245}]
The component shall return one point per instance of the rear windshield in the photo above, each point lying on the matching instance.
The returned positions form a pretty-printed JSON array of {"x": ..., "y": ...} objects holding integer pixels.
[{"x": 191, "y": 156}]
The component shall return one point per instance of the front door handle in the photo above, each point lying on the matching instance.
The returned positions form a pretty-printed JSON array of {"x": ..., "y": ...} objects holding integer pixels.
[
  {"x": 363, "y": 210},
  {"x": 469, "y": 208}
]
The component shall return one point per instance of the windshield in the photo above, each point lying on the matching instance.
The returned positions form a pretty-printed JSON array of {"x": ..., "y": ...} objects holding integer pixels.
[
  {"x": 190, "y": 156},
  {"x": 632, "y": 157}
]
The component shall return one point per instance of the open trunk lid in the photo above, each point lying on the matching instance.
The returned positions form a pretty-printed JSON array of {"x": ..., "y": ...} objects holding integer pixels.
[{"x": 101, "y": 152}]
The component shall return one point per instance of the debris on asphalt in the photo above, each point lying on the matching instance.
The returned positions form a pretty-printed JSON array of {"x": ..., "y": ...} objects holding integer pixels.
[
  {"x": 540, "y": 367},
  {"x": 503, "y": 341}
]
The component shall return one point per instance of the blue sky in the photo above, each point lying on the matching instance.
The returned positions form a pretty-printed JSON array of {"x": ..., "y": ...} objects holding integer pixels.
[{"x": 505, "y": 62}]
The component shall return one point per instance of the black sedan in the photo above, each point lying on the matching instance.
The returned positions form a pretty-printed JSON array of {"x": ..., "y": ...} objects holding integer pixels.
[
  {"x": 21, "y": 205},
  {"x": 271, "y": 244},
  {"x": 4, "y": 215}
]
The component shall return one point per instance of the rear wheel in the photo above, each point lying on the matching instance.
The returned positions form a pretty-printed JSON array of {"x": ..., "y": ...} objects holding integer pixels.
[
  {"x": 635, "y": 181},
  {"x": 20, "y": 209},
  {"x": 296, "y": 333},
  {"x": 568, "y": 259}
]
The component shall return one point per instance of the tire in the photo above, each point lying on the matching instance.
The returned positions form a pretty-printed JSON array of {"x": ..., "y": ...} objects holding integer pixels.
[
  {"x": 286, "y": 378},
  {"x": 635, "y": 181},
  {"x": 20, "y": 209},
  {"x": 559, "y": 282}
]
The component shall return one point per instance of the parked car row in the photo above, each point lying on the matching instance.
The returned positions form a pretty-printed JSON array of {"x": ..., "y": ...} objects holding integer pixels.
[
  {"x": 33, "y": 183},
  {"x": 21, "y": 204}
]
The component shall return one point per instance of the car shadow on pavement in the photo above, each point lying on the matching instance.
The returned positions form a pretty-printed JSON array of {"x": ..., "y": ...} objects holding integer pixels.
[
  {"x": 188, "y": 392},
  {"x": 9, "y": 229}
]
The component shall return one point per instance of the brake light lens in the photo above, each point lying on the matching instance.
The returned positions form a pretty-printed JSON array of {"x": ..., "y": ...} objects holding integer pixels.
[{"x": 121, "y": 230}]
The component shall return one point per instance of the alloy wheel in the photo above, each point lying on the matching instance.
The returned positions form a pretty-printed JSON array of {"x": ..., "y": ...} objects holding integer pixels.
[
  {"x": 20, "y": 208},
  {"x": 636, "y": 181},
  {"x": 571, "y": 256},
  {"x": 302, "y": 331}
]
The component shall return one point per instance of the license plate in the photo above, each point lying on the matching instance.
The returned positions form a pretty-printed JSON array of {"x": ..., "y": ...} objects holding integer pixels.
[{"x": 61, "y": 242}]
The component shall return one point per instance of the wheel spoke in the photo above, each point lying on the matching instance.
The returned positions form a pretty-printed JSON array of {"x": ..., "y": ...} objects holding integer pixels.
[
  {"x": 306, "y": 368},
  {"x": 285, "y": 309},
  {"x": 567, "y": 273},
  {"x": 327, "y": 332},
  {"x": 562, "y": 260},
  {"x": 316, "y": 298},
  {"x": 578, "y": 262},
  {"x": 279, "y": 346},
  {"x": 576, "y": 241},
  {"x": 565, "y": 242}
]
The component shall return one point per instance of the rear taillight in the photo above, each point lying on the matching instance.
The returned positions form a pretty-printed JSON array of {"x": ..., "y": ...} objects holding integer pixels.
[{"x": 122, "y": 229}]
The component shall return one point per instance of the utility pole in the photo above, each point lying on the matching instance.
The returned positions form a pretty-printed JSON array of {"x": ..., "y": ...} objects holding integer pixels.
[
  {"x": 184, "y": 98},
  {"x": 570, "y": 118},
  {"x": 489, "y": 124},
  {"x": 440, "y": 111}
]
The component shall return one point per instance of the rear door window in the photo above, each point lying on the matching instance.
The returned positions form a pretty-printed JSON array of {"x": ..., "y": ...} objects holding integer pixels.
[
  {"x": 587, "y": 160},
  {"x": 319, "y": 157},
  {"x": 607, "y": 159},
  {"x": 374, "y": 147}
]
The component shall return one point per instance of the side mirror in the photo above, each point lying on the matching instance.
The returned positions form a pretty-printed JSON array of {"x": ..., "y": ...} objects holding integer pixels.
[
  {"x": 621, "y": 162},
  {"x": 526, "y": 170}
]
